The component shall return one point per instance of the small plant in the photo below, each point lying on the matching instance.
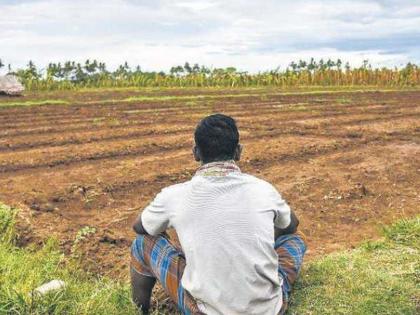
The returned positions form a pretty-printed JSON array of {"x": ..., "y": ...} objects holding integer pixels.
[
  {"x": 114, "y": 122},
  {"x": 405, "y": 232},
  {"x": 81, "y": 235},
  {"x": 84, "y": 233},
  {"x": 344, "y": 101},
  {"x": 264, "y": 97},
  {"x": 98, "y": 121},
  {"x": 7, "y": 223}
]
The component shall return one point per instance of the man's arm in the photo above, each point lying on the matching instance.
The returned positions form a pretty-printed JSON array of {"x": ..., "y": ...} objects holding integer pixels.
[
  {"x": 154, "y": 219},
  {"x": 290, "y": 229},
  {"x": 138, "y": 226}
]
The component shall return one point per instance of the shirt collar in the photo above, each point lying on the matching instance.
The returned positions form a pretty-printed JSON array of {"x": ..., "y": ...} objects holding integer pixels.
[{"x": 220, "y": 168}]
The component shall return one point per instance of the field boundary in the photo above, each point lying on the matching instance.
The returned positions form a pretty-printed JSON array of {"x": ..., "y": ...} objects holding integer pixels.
[{"x": 165, "y": 98}]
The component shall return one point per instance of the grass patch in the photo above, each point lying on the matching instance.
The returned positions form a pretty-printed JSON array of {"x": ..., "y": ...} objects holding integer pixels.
[
  {"x": 23, "y": 270},
  {"x": 298, "y": 107},
  {"x": 35, "y": 103},
  {"x": 7, "y": 224},
  {"x": 380, "y": 277}
]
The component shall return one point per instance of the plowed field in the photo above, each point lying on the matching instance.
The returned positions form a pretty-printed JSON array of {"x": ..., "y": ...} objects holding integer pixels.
[{"x": 347, "y": 162}]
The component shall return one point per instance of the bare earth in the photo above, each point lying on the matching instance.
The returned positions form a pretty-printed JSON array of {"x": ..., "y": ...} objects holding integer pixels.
[{"x": 346, "y": 162}]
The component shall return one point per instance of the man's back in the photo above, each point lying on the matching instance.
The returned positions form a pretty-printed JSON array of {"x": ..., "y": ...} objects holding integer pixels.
[{"x": 224, "y": 221}]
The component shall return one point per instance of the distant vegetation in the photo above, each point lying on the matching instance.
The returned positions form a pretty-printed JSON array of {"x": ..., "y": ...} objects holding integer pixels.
[
  {"x": 380, "y": 277},
  {"x": 95, "y": 74}
]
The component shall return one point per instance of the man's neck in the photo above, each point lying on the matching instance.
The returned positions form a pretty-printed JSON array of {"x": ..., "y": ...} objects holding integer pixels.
[
  {"x": 218, "y": 168},
  {"x": 218, "y": 161}
]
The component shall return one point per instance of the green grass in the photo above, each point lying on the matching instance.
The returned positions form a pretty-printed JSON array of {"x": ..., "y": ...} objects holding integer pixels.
[
  {"x": 35, "y": 103},
  {"x": 23, "y": 270},
  {"x": 380, "y": 277}
]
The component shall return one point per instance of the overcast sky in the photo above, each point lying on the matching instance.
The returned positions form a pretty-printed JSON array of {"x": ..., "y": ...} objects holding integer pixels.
[{"x": 252, "y": 35}]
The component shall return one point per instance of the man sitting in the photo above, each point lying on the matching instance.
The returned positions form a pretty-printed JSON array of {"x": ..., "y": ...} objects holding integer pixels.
[{"x": 240, "y": 250}]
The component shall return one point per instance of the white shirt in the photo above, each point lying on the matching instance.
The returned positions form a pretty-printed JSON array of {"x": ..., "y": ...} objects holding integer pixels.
[{"x": 225, "y": 223}]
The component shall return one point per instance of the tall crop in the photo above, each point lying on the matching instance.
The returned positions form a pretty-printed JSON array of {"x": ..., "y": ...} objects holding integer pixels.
[{"x": 72, "y": 75}]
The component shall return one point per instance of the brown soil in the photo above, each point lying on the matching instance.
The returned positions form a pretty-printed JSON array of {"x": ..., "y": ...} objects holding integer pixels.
[{"x": 346, "y": 162}]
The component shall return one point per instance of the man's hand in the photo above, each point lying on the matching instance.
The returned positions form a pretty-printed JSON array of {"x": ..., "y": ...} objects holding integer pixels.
[
  {"x": 138, "y": 226},
  {"x": 292, "y": 228}
]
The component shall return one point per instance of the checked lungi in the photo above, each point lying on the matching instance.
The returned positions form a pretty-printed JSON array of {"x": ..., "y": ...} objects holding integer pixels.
[{"x": 157, "y": 257}]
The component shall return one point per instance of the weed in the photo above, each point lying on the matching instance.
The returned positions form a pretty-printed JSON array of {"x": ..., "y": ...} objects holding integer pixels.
[
  {"x": 84, "y": 232},
  {"x": 98, "y": 121},
  {"x": 81, "y": 235},
  {"x": 7, "y": 223},
  {"x": 264, "y": 97},
  {"x": 344, "y": 101}
]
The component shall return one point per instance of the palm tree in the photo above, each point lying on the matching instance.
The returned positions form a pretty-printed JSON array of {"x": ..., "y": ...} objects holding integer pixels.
[
  {"x": 187, "y": 68},
  {"x": 32, "y": 71},
  {"x": 177, "y": 70}
]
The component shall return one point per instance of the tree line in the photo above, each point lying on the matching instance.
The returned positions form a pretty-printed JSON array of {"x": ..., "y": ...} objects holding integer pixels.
[{"x": 93, "y": 73}]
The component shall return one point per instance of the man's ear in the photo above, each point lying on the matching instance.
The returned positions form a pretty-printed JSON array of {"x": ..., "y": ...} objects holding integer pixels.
[
  {"x": 196, "y": 154},
  {"x": 238, "y": 152}
]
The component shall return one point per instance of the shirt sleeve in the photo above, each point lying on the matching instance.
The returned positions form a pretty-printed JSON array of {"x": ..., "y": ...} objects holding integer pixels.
[
  {"x": 282, "y": 211},
  {"x": 155, "y": 217}
]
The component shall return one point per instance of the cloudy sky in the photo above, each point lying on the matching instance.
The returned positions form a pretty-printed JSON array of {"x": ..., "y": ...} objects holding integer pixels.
[{"x": 251, "y": 35}]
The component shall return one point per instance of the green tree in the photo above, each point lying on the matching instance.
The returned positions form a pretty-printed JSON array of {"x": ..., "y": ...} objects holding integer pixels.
[
  {"x": 32, "y": 71},
  {"x": 177, "y": 70},
  {"x": 187, "y": 68}
]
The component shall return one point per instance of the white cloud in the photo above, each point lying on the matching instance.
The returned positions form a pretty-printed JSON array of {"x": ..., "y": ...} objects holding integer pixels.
[{"x": 251, "y": 35}]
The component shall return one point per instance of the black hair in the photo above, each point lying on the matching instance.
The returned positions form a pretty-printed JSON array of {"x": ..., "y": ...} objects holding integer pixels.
[{"x": 217, "y": 137}]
